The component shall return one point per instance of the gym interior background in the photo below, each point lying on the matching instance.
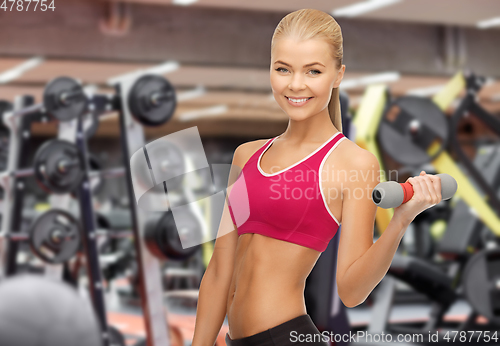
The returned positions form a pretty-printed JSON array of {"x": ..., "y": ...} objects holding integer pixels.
[{"x": 216, "y": 54}]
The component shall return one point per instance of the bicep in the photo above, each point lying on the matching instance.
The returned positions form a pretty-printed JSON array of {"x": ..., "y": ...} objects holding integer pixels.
[{"x": 358, "y": 211}]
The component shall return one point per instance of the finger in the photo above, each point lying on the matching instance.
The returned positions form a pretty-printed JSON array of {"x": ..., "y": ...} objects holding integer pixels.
[
  {"x": 423, "y": 173},
  {"x": 431, "y": 190},
  {"x": 424, "y": 190},
  {"x": 416, "y": 188},
  {"x": 436, "y": 182}
]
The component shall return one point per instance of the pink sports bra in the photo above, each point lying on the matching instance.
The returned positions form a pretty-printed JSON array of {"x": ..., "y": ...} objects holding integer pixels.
[{"x": 289, "y": 204}]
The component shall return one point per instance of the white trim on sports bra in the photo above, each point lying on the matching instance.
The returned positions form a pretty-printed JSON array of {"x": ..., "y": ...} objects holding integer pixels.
[
  {"x": 321, "y": 169},
  {"x": 295, "y": 164}
]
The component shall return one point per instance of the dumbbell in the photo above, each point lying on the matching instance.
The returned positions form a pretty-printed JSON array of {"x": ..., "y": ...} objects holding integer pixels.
[{"x": 391, "y": 194}]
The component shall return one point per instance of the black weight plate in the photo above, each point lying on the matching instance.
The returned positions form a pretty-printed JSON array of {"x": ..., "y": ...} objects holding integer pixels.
[
  {"x": 151, "y": 238},
  {"x": 46, "y": 163},
  {"x": 409, "y": 127},
  {"x": 142, "y": 105},
  {"x": 170, "y": 232},
  {"x": 53, "y": 102},
  {"x": 481, "y": 281},
  {"x": 54, "y": 236},
  {"x": 167, "y": 163},
  {"x": 162, "y": 236},
  {"x": 116, "y": 338}
]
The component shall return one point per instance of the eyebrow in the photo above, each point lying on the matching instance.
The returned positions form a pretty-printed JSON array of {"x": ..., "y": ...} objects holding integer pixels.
[{"x": 311, "y": 64}]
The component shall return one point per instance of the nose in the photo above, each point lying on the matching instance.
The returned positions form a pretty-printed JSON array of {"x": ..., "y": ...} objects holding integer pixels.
[{"x": 297, "y": 82}]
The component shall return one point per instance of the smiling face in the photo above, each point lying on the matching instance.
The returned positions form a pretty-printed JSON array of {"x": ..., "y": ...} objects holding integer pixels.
[{"x": 303, "y": 75}]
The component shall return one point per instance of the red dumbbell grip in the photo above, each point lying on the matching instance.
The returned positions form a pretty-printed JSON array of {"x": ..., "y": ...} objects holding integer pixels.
[{"x": 407, "y": 190}]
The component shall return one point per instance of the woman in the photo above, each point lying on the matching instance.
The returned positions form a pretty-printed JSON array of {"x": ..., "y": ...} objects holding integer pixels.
[{"x": 288, "y": 201}]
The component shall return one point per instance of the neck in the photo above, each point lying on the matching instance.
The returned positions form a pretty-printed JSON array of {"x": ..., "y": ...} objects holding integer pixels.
[{"x": 317, "y": 128}]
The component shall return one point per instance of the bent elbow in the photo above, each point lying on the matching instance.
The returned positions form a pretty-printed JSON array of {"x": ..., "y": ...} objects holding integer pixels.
[
  {"x": 348, "y": 299},
  {"x": 348, "y": 302}
]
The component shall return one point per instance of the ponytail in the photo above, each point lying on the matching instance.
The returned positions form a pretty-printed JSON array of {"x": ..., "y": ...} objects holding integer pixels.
[{"x": 334, "y": 109}]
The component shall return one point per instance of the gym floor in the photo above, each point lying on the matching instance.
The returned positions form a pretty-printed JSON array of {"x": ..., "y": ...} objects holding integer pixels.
[{"x": 126, "y": 315}]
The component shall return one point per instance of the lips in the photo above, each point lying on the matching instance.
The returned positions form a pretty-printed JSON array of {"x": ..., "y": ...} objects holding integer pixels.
[
  {"x": 298, "y": 98},
  {"x": 298, "y": 104}
]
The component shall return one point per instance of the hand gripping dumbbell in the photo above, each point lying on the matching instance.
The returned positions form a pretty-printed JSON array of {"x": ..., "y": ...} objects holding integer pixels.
[{"x": 391, "y": 194}]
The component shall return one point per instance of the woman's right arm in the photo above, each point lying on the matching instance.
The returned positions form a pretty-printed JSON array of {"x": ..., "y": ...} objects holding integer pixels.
[{"x": 214, "y": 287}]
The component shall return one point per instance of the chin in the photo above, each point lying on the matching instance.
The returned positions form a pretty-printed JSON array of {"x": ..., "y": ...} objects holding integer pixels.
[{"x": 298, "y": 116}]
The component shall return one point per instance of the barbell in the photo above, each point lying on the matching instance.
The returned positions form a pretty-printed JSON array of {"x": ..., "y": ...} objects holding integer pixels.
[
  {"x": 55, "y": 235},
  {"x": 63, "y": 98},
  {"x": 151, "y": 100},
  {"x": 59, "y": 168}
]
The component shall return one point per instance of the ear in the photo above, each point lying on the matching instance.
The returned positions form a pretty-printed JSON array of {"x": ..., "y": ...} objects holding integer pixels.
[{"x": 339, "y": 77}]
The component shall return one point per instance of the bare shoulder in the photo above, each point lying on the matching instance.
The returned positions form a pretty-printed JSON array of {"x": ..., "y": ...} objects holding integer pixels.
[
  {"x": 352, "y": 156},
  {"x": 349, "y": 162},
  {"x": 244, "y": 151}
]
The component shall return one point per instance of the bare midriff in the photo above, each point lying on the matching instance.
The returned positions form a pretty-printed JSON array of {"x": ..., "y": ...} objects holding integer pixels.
[
  {"x": 269, "y": 275},
  {"x": 267, "y": 287}
]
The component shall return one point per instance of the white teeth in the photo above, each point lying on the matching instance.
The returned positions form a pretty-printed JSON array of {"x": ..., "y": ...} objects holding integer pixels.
[{"x": 298, "y": 100}]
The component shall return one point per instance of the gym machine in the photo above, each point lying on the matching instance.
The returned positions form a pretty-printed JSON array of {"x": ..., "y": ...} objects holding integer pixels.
[{"x": 414, "y": 131}]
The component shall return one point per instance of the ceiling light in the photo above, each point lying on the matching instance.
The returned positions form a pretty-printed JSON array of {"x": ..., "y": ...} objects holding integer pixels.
[
  {"x": 19, "y": 70},
  {"x": 488, "y": 23},
  {"x": 183, "y": 2},
  {"x": 203, "y": 113},
  {"x": 362, "y": 7},
  {"x": 164, "y": 68},
  {"x": 384, "y": 77}
]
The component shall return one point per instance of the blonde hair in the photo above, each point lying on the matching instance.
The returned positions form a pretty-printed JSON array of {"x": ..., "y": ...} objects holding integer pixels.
[{"x": 310, "y": 23}]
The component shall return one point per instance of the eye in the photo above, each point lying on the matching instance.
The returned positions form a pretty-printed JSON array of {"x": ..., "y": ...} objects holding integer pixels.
[
  {"x": 318, "y": 72},
  {"x": 281, "y": 68}
]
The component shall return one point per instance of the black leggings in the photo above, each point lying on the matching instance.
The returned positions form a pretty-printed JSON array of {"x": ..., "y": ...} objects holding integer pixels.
[{"x": 297, "y": 331}]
